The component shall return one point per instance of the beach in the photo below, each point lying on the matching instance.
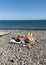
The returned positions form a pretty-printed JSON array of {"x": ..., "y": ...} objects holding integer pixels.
[{"x": 17, "y": 54}]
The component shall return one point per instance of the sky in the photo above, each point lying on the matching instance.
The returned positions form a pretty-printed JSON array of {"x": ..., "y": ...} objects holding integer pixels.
[{"x": 22, "y": 9}]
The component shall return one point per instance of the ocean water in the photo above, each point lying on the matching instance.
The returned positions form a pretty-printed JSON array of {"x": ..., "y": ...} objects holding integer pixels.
[{"x": 22, "y": 24}]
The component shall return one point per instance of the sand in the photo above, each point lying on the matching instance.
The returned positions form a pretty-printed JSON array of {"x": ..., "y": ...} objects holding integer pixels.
[{"x": 17, "y": 54}]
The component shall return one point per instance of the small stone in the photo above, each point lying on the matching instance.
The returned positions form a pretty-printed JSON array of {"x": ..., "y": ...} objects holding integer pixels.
[
  {"x": 41, "y": 52},
  {"x": 38, "y": 63},
  {"x": 34, "y": 63},
  {"x": 23, "y": 42},
  {"x": 28, "y": 47},
  {"x": 11, "y": 60},
  {"x": 24, "y": 45},
  {"x": 5, "y": 64},
  {"x": 37, "y": 40},
  {"x": 18, "y": 49},
  {"x": 44, "y": 60},
  {"x": 0, "y": 53}
]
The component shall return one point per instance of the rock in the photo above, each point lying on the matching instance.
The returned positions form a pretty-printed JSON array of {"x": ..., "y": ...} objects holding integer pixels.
[
  {"x": 11, "y": 60},
  {"x": 44, "y": 60},
  {"x": 37, "y": 40},
  {"x": 28, "y": 47}
]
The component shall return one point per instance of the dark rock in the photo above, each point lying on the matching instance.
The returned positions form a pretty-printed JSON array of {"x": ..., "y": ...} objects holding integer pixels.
[
  {"x": 11, "y": 60},
  {"x": 28, "y": 47}
]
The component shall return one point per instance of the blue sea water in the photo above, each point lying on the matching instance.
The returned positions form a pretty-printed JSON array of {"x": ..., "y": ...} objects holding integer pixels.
[{"x": 22, "y": 24}]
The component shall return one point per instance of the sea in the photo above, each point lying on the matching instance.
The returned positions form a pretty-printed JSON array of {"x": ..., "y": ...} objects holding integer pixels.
[{"x": 22, "y": 24}]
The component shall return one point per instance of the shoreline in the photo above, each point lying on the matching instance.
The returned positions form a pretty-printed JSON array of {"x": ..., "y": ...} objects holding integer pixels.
[{"x": 23, "y": 29}]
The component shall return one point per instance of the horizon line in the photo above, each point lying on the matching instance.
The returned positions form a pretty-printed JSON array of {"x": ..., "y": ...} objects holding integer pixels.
[{"x": 22, "y": 19}]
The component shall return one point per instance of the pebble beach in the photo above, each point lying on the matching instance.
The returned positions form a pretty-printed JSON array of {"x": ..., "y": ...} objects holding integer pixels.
[{"x": 17, "y": 54}]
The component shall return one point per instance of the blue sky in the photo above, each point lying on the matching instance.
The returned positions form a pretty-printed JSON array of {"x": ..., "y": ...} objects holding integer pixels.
[{"x": 22, "y": 9}]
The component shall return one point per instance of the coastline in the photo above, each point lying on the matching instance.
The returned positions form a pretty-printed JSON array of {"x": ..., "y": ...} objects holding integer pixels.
[{"x": 18, "y": 54}]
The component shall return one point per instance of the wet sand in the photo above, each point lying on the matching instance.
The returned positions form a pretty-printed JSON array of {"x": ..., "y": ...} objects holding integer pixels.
[{"x": 17, "y": 54}]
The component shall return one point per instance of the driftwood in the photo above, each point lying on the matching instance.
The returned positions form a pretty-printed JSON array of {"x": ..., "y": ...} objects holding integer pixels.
[{"x": 2, "y": 33}]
